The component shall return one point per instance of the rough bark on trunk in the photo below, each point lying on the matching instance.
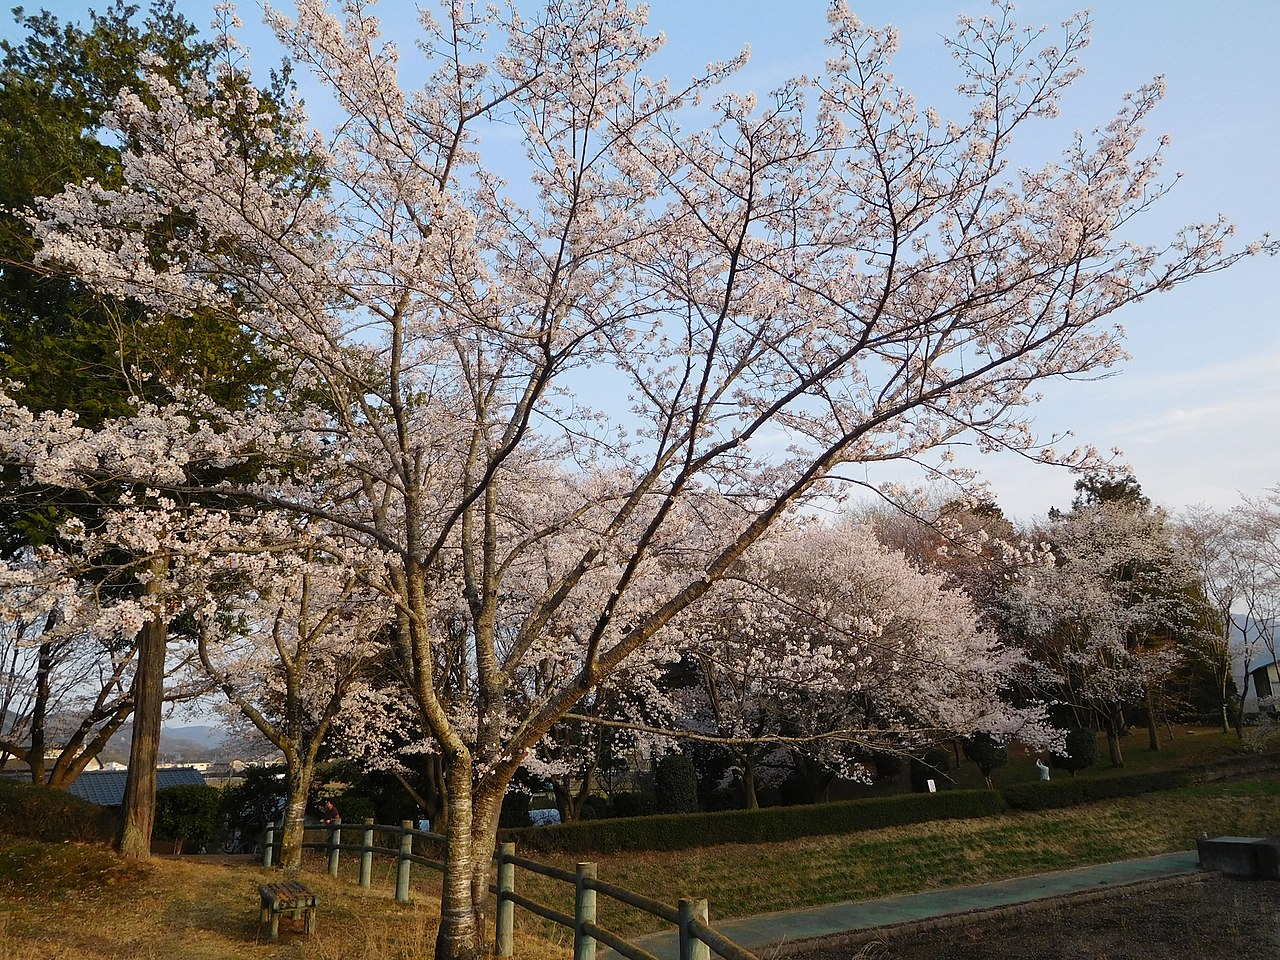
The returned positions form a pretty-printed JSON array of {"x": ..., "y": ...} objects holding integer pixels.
[
  {"x": 139, "y": 810},
  {"x": 295, "y": 816},
  {"x": 1113, "y": 741},
  {"x": 40, "y": 711},
  {"x": 750, "y": 796},
  {"x": 459, "y": 937}
]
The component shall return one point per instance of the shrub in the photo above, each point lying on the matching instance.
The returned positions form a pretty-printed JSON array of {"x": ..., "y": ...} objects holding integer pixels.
[
  {"x": 515, "y": 810},
  {"x": 934, "y": 765},
  {"x": 355, "y": 807},
  {"x": 188, "y": 813},
  {"x": 987, "y": 752},
  {"x": 1081, "y": 751},
  {"x": 258, "y": 800},
  {"x": 773, "y": 824},
  {"x": 594, "y": 807},
  {"x": 1044, "y": 795},
  {"x": 675, "y": 784},
  {"x": 888, "y": 766},
  {"x": 50, "y": 815},
  {"x": 632, "y": 804}
]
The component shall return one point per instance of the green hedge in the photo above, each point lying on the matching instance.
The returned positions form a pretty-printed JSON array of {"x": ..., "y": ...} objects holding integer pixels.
[
  {"x": 683, "y": 830},
  {"x": 1045, "y": 795},
  {"x": 50, "y": 815}
]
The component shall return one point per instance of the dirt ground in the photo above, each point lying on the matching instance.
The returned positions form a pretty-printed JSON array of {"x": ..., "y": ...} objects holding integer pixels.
[{"x": 1207, "y": 918}]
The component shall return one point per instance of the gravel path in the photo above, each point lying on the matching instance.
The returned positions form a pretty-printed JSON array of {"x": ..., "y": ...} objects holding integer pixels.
[{"x": 1201, "y": 919}]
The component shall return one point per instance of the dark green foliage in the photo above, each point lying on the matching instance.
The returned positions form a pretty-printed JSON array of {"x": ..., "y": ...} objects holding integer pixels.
[
  {"x": 934, "y": 765},
  {"x": 632, "y": 804},
  {"x": 987, "y": 752},
  {"x": 888, "y": 766},
  {"x": 675, "y": 784},
  {"x": 1081, "y": 751},
  {"x": 594, "y": 807},
  {"x": 188, "y": 813},
  {"x": 515, "y": 810},
  {"x": 773, "y": 824},
  {"x": 255, "y": 802},
  {"x": 1049, "y": 794},
  {"x": 354, "y": 807},
  {"x": 51, "y": 816}
]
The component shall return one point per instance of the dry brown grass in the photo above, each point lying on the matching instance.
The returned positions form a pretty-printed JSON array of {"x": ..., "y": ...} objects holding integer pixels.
[{"x": 197, "y": 910}]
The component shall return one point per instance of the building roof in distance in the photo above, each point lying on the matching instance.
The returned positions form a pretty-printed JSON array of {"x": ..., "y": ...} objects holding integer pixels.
[{"x": 106, "y": 787}]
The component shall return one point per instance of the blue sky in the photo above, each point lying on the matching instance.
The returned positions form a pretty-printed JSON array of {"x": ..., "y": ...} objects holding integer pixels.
[{"x": 1197, "y": 409}]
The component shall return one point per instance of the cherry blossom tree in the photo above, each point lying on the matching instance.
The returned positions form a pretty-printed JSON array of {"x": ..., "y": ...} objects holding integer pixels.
[
  {"x": 65, "y": 682},
  {"x": 285, "y": 634},
  {"x": 1103, "y": 609},
  {"x": 834, "y": 646},
  {"x": 1211, "y": 542},
  {"x": 1255, "y": 528},
  {"x": 538, "y": 260}
]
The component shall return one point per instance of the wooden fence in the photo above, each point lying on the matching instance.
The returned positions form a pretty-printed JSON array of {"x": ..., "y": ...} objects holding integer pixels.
[{"x": 697, "y": 937}]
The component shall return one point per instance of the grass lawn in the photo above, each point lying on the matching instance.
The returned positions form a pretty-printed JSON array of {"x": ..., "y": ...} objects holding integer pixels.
[
  {"x": 74, "y": 900},
  {"x": 742, "y": 880}
]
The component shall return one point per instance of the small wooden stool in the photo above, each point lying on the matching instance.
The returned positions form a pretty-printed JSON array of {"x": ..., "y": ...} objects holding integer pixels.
[{"x": 289, "y": 897}]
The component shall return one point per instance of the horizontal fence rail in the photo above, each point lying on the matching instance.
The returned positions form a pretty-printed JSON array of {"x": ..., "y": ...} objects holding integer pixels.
[{"x": 697, "y": 937}]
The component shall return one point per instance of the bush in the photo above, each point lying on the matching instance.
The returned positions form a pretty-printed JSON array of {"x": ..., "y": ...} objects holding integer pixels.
[
  {"x": 682, "y": 831},
  {"x": 987, "y": 752},
  {"x": 188, "y": 813},
  {"x": 888, "y": 767},
  {"x": 675, "y": 784},
  {"x": 632, "y": 804},
  {"x": 256, "y": 801},
  {"x": 515, "y": 810},
  {"x": 52, "y": 816},
  {"x": 1045, "y": 795},
  {"x": 594, "y": 807},
  {"x": 934, "y": 765},
  {"x": 1081, "y": 752},
  {"x": 354, "y": 807}
]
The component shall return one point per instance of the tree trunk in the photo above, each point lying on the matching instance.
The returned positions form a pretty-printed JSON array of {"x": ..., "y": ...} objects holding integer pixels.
[
  {"x": 484, "y": 840},
  {"x": 295, "y": 814},
  {"x": 1244, "y": 692},
  {"x": 40, "y": 709},
  {"x": 1113, "y": 740},
  {"x": 139, "y": 810},
  {"x": 459, "y": 936},
  {"x": 1153, "y": 729},
  {"x": 750, "y": 797}
]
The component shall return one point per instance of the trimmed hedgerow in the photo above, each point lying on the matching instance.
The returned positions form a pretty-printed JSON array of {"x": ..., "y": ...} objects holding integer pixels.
[
  {"x": 684, "y": 830},
  {"x": 51, "y": 815},
  {"x": 1045, "y": 795}
]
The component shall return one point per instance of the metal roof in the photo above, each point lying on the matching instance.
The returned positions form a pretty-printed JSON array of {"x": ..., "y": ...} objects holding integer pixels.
[{"x": 106, "y": 787}]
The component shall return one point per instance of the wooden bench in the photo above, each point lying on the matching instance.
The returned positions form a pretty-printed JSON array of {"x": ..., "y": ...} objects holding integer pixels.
[{"x": 289, "y": 897}]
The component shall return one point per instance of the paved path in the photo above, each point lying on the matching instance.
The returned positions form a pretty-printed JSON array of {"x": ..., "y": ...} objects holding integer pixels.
[{"x": 790, "y": 925}]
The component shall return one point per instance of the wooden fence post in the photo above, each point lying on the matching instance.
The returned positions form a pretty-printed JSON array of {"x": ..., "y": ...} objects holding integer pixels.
[
  {"x": 268, "y": 845},
  {"x": 691, "y": 948},
  {"x": 504, "y": 941},
  {"x": 402, "y": 867},
  {"x": 335, "y": 838},
  {"x": 366, "y": 855},
  {"x": 584, "y": 911}
]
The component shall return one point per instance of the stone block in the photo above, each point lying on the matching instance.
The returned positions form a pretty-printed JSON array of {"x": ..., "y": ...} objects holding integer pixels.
[
  {"x": 1230, "y": 856},
  {"x": 1268, "y": 856}
]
